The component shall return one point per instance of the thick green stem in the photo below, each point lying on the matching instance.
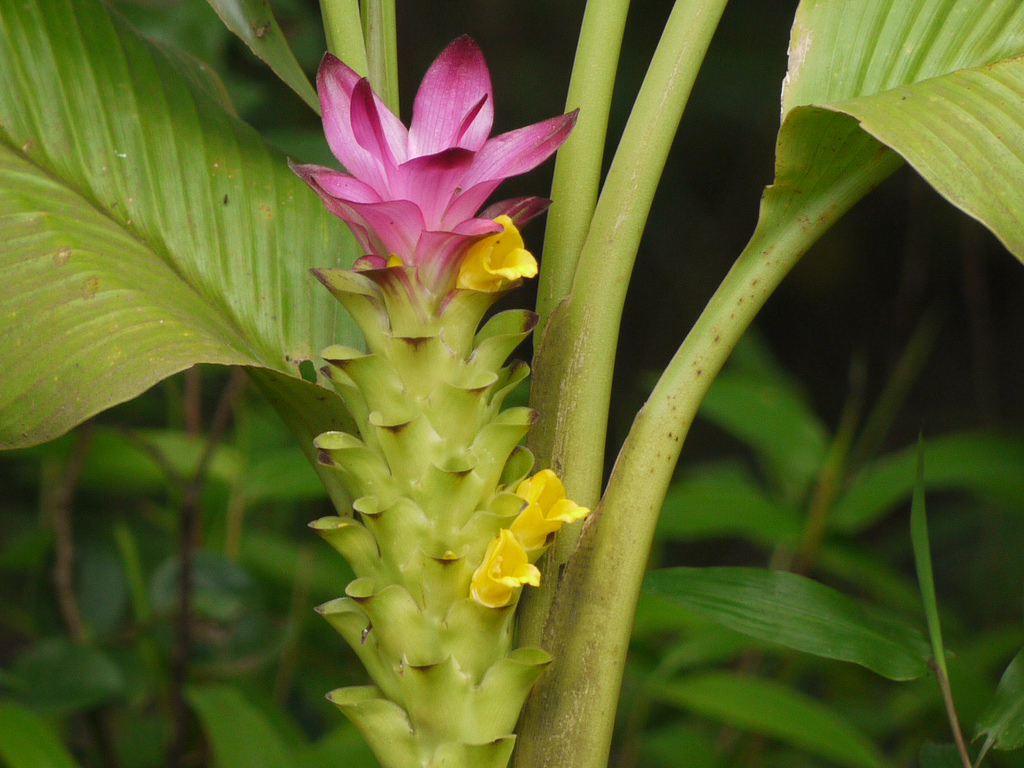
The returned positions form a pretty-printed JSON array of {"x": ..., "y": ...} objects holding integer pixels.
[
  {"x": 569, "y": 718},
  {"x": 344, "y": 32},
  {"x": 382, "y": 49},
  {"x": 577, "y": 177},
  {"x": 573, "y": 377}
]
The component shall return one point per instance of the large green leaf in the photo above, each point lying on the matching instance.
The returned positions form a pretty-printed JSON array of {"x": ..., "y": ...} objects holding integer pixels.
[
  {"x": 937, "y": 81},
  {"x": 795, "y": 612},
  {"x": 143, "y": 228},
  {"x": 28, "y": 741},
  {"x": 774, "y": 710}
]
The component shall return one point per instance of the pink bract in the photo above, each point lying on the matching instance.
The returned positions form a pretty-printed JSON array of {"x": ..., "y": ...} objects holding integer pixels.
[{"x": 415, "y": 193}]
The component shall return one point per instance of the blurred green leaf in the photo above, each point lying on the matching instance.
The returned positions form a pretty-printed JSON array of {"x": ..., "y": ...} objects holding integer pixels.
[
  {"x": 986, "y": 464},
  {"x": 221, "y": 590},
  {"x": 277, "y": 557},
  {"x": 774, "y": 419},
  {"x": 796, "y": 612},
  {"x": 61, "y": 676},
  {"x": 253, "y": 21},
  {"x": 100, "y": 584},
  {"x": 282, "y": 475},
  {"x": 663, "y": 747},
  {"x": 769, "y": 708},
  {"x": 871, "y": 573},
  {"x": 139, "y": 461},
  {"x": 939, "y": 756},
  {"x": 26, "y": 550},
  {"x": 145, "y": 227},
  {"x": 343, "y": 746},
  {"x": 141, "y": 741},
  {"x": 713, "y": 644},
  {"x": 28, "y": 741},
  {"x": 1003, "y": 722},
  {"x": 238, "y": 733},
  {"x": 723, "y": 500}
]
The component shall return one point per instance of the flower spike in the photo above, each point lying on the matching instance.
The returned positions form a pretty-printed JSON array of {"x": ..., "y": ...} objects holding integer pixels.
[{"x": 443, "y": 530}]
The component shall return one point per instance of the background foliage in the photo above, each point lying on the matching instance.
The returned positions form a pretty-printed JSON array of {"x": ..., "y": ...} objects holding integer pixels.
[{"x": 906, "y": 317}]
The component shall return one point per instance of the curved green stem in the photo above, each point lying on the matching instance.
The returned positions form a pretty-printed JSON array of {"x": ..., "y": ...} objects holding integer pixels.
[
  {"x": 577, "y": 177},
  {"x": 345, "y": 32},
  {"x": 569, "y": 718},
  {"x": 574, "y": 365}
]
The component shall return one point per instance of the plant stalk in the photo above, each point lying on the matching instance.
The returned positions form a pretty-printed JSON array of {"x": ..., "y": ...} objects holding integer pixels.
[
  {"x": 379, "y": 34},
  {"x": 577, "y": 178},
  {"x": 576, "y": 359},
  {"x": 345, "y": 33},
  {"x": 569, "y": 718}
]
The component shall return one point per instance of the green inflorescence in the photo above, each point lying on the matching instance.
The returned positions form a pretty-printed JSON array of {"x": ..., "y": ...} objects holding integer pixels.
[{"x": 433, "y": 473}]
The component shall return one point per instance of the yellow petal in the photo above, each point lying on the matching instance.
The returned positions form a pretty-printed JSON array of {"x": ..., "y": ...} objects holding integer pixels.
[
  {"x": 547, "y": 509},
  {"x": 543, "y": 488},
  {"x": 505, "y": 568},
  {"x": 494, "y": 262}
]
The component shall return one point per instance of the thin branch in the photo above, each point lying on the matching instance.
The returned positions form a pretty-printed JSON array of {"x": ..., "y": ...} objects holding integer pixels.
[
  {"x": 296, "y": 619},
  {"x": 58, "y": 508},
  {"x": 193, "y": 401},
  {"x": 954, "y": 721},
  {"x": 189, "y": 529}
]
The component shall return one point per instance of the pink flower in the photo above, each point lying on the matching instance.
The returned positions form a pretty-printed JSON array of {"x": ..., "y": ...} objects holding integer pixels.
[{"x": 414, "y": 193}]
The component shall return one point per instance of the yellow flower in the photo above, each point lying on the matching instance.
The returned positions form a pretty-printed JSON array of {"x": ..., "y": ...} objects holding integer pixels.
[
  {"x": 497, "y": 260},
  {"x": 547, "y": 509},
  {"x": 505, "y": 568}
]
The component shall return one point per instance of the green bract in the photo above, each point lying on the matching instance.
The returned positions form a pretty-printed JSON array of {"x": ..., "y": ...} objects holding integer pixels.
[{"x": 432, "y": 472}]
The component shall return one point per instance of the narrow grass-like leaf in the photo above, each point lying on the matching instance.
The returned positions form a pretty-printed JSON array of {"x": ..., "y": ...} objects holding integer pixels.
[
  {"x": 923, "y": 562},
  {"x": 796, "y": 612},
  {"x": 254, "y": 22},
  {"x": 1003, "y": 722},
  {"x": 239, "y": 734},
  {"x": 28, "y": 741},
  {"x": 989, "y": 465},
  {"x": 921, "y": 548},
  {"x": 768, "y": 708},
  {"x": 143, "y": 228}
]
